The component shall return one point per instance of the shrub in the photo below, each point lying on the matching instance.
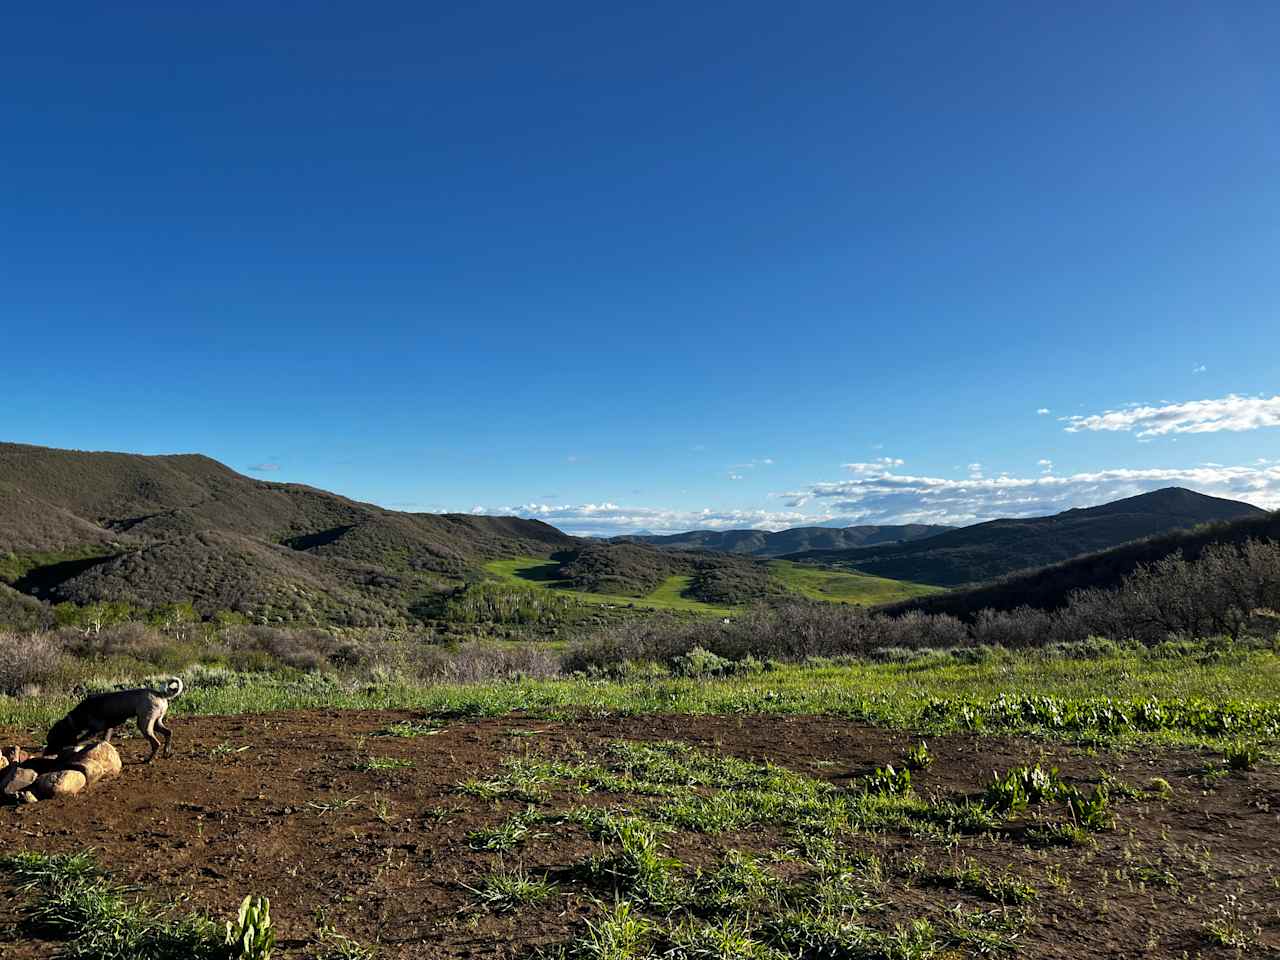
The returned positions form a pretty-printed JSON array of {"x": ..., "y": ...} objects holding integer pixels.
[{"x": 29, "y": 660}]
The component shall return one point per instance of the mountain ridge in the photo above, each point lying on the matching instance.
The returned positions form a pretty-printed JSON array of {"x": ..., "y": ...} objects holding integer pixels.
[
  {"x": 90, "y": 526},
  {"x": 985, "y": 551},
  {"x": 765, "y": 543}
]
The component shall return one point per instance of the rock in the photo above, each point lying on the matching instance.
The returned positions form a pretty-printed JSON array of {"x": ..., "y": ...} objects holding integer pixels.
[
  {"x": 13, "y": 755},
  {"x": 99, "y": 761},
  {"x": 58, "y": 783},
  {"x": 14, "y": 779}
]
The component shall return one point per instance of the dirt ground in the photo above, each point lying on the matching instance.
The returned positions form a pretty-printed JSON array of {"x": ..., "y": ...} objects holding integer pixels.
[{"x": 275, "y": 804}]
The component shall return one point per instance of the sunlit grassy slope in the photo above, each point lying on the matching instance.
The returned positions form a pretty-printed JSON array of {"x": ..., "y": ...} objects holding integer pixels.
[
  {"x": 540, "y": 572},
  {"x": 841, "y": 586},
  {"x": 815, "y": 583}
]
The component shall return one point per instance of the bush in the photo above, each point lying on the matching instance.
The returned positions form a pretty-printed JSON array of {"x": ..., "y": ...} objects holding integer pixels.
[{"x": 29, "y": 661}]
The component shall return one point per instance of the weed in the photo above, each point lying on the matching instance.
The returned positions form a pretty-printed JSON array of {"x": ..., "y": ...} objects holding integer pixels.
[
  {"x": 619, "y": 935},
  {"x": 374, "y": 764},
  {"x": 408, "y": 728},
  {"x": 508, "y": 835},
  {"x": 1060, "y": 835},
  {"x": 251, "y": 934},
  {"x": 332, "y": 945},
  {"x": 1022, "y": 786},
  {"x": 887, "y": 781},
  {"x": 639, "y": 867},
  {"x": 80, "y": 906},
  {"x": 508, "y": 889},
  {"x": 1228, "y": 927},
  {"x": 381, "y": 807},
  {"x": 1242, "y": 755},
  {"x": 1092, "y": 812},
  {"x": 968, "y": 875},
  {"x": 918, "y": 757},
  {"x": 323, "y": 807}
]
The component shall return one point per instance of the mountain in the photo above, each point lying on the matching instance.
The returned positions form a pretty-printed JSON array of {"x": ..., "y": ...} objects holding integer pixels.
[
  {"x": 90, "y": 527},
  {"x": 1049, "y": 587},
  {"x": 762, "y": 543},
  {"x": 985, "y": 551}
]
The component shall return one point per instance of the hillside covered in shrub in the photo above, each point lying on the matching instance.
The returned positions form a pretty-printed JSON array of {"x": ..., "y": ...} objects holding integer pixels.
[
  {"x": 145, "y": 530},
  {"x": 984, "y": 551}
]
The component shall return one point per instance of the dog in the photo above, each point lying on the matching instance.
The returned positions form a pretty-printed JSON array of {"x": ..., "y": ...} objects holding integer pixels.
[{"x": 103, "y": 712}]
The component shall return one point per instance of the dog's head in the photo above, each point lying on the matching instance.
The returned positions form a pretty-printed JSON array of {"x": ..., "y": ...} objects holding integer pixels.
[{"x": 62, "y": 734}]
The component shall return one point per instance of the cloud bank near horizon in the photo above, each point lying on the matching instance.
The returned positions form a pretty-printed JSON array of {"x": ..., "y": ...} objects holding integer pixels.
[
  {"x": 1232, "y": 412},
  {"x": 884, "y": 496}
]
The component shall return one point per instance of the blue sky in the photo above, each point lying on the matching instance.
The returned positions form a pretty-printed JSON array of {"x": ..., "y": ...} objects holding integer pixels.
[{"x": 653, "y": 268}]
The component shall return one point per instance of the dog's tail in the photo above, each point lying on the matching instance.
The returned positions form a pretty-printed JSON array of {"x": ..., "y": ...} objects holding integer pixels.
[{"x": 173, "y": 687}]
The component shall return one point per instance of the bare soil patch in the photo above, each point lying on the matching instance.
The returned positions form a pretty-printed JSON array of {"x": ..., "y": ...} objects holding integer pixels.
[{"x": 311, "y": 809}]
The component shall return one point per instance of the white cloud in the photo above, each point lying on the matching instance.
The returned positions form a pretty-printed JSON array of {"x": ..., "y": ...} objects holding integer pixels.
[
  {"x": 896, "y": 498},
  {"x": 610, "y": 519},
  {"x": 1231, "y": 412},
  {"x": 975, "y": 471},
  {"x": 1199, "y": 368},
  {"x": 878, "y": 465},
  {"x": 1044, "y": 411},
  {"x": 264, "y": 467},
  {"x": 1045, "y": 465},
  {"x": 735, "y": 476}
]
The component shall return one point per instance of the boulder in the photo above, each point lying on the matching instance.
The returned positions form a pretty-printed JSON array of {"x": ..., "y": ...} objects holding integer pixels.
[
  {"x": 98, "y": 761},
  {"x": 57, "y": 783},
  {"x": 15, "y": 779}
]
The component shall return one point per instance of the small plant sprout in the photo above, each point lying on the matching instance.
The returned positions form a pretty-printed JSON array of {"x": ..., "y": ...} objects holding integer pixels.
[
  {"x": 1091, "y": 812},
  {"x": 251, "y": 933},
  {"x": 1242, "y": 755},
  {"x": 888, "y": 781},
  {"x": 918, "y": 757},
  {"x": 508, "y": 889}
]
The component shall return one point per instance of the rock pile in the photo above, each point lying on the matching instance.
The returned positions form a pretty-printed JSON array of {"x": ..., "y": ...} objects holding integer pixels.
[{"x": 25, "y": 778}]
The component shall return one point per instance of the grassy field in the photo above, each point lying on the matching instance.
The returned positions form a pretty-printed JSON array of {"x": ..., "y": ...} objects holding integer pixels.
[
  {"x": 1178, "y": 699},
  {"x": 842, "y": 586},
  {"x": 540, "y": 572}
]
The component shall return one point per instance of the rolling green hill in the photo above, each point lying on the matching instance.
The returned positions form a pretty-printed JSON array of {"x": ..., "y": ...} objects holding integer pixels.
[
  {"x": 1049, "y": 587},
  {"x": 679, "y": 592},
  {"x": 988, "y": 550},
  {"x": 669, "y": 593},
  {"x": 763, "y": 543},
  {"x": 147, "y": 530}
]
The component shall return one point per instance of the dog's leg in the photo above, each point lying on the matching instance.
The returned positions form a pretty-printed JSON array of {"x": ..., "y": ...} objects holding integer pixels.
[
  {"x": 166, "y": 733},
  {"x": 147, "y": 727}
]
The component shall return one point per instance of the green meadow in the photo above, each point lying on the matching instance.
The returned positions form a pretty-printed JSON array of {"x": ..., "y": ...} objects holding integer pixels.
[{"x": 842, "y": 586}]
